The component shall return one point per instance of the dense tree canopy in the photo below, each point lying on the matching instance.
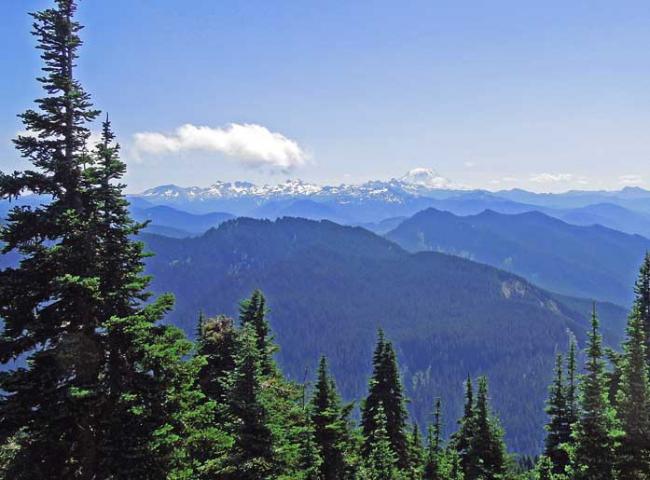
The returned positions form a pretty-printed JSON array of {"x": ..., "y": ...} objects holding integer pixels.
[{"x": 97, "y": 387}]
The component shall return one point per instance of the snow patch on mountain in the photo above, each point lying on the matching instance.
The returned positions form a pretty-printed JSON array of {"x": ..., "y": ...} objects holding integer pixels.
[
  {"x": 426, "y": 177},
  {"x": 416, "y": 182}
]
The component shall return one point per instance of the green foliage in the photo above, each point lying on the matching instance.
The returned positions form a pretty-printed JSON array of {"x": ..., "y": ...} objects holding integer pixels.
[
  {"x": 486, "y": 445},
  {"x": 462, "y": 438},
  {"x": 572, "y": 384},
  {"x": 632, "y": 406},
  {"x": 253, "y": 311},
  {"x": 106, "y": 391},
  {"x": 50, "y": 303},
  {"x": 217, "y": 343},
  {"x": 253, "y": 456},
  {"x": 479, "y": 440},
  {"x": 110, "y": 392},
  {"x": 331, "y": 426},
  {"x": 415, "y": 468},
  {"x": 559, "y": 427},
  {"x": 545, "y": 469},
  {"x": 385, "y": 394},
  {"x": 433, "y": 465},
  {"x": 595, "y": 431},
  {"x": 382, "y": 462},
  {"x": 330, "y": 286},
  {"x": 642, "y": 300}
]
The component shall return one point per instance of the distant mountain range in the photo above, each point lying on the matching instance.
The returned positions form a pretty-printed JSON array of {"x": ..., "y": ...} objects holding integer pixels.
[
  {"x": 171, "y": 222},
  {"x": 627, "y": 210},
  {"x": 330, "y": 287},
  {"x": 586, "y": 261},
  {"x": 375, "y": 205}
]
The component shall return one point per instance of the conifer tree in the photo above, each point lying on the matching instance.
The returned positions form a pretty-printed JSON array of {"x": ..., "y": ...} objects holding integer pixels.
[
  {"x": 49, "y": 304},
  {"x": 330, "y": 421},
  {"x": 544, "y": 469},
  {"x": 487, "y": 450},
  {"x": 594, "y": 443},
  {"x": 217, "y": 343},
  {"x": 572, "y": 384},
  {"x": 147, "y": 424},
  {"x": 253, "y": 311},
  {"x": 432, "y": 470},
  {"x": 310, "y": 462},
  {"x": 385, "y": 391},
  {"x": 642, "y": 300},
  {"x": 253, "y": 457},
  {"x": 451, "y": 469},
  {"x": 558, "y": 428},
  {"x": 633, "y": 453},
  {"x": 463, "y": 437},
  {"x": 137, "y": 407},
  {"x": 382, "y": 462},
  {"x": 87, "y": 404},
  {"x": 613, "y": 375},
  {"x": 416, "y": 454}
]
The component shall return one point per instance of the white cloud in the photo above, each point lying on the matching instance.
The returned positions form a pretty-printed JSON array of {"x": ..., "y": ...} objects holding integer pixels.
[
  {"x": 469, "y": 164},
  {"x": 253, "y": 145},
  {"x": 552, "y": 177},
  {"x": 631, "y": 179}
]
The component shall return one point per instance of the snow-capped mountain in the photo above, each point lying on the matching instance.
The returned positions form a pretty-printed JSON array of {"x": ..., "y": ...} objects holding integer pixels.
[
  {"x": 419, "y": 181},
  {"x": 372, "y": 202},
  {"x": 365, "y": 202}
]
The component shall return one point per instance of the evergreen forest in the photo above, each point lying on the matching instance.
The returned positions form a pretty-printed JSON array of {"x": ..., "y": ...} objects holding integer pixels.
[{"x": 97, "y": 385}]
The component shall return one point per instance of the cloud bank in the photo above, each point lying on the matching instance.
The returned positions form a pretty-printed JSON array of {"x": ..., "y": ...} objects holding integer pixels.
[
  {"x": 252, "y": 145},
  {"x": 552, "y": 177},
  {"x": 630, "y": 180}
]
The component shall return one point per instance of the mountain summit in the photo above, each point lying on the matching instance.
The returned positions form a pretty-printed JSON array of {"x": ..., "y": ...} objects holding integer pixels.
[
  {"x": 422, "y": 178},
  {"x": 425, "y": 177}
]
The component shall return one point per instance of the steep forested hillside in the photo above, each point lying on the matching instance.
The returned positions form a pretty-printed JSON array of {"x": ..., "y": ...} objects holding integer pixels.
[
  {"x": 330, "y": 287},
  {"x": 592, "y": 262}
]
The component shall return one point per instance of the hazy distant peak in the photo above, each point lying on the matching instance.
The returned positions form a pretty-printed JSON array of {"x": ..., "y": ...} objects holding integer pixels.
[
  {"x": 418, "y": 181},
  {"x": 425, "y": 177}
]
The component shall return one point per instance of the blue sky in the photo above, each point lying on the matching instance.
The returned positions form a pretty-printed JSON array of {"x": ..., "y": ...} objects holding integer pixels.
[{"x": 497, "y": 94}]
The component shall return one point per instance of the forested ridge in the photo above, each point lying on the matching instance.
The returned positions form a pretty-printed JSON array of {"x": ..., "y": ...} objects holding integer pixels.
[
  {"x": 584, "y": 261},
  {"x": 110, "y": 390},
  {"x": 330, "y": 287}
]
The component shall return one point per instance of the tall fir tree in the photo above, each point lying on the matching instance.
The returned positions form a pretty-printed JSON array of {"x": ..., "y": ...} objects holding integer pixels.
[
  {"x": 217, "y": 342},
  {"x": 432, "y": 464},
  {"x": 253, "y": 310},
  {"x": 381, "y": 460},
  {"x": 642, "y": 300},
  {"x": 49, "y": 304},
  {"x": 558, "y": 427},
  {"x": 633, "y": 453},
  {"x": 544, "y": 470},
  {"x": 330, "y": 420},
  {"x": 487, "y": 449},
  {"x": 416, "y": 454},
  {"x": 253, "y": 456},
  {"x": 594, "y": 455},
  {"x": 463, "y": 437},
  {"x": 87, "y": 404},
  {"x": 386, "y": 391},
  {"x": 310, "y": 461},
  {"x": 572, "y": 384},
  {"x": 135, "y": 406},
  {"x": 613, "y": 374}
]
